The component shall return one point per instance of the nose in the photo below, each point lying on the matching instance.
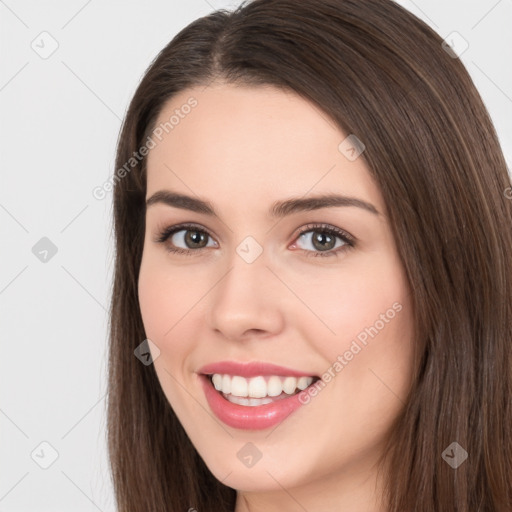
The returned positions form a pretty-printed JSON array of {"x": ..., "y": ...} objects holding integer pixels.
[{"x": 246, "y": 301}]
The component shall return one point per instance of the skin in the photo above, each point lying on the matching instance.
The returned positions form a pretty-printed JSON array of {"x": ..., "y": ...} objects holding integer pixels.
[{"x": 242, "y": 149}]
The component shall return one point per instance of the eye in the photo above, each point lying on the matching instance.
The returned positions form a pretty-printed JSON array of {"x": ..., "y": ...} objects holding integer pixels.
[
  {"x": 190, "y": 236},
  {"x": 324, "y": 240}
]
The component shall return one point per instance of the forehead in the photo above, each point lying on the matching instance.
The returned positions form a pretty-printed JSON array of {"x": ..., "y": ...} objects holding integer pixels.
[{"x": 257, "y": 142}]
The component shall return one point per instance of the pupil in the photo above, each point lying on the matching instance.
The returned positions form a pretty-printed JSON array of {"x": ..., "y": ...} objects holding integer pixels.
[
  {"x": 195, "y": 237},
  {"x": 323, "y": 240}
]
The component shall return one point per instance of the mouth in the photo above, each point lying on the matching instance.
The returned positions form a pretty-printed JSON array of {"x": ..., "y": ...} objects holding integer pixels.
[
  {"x": 257, "y": 402},
  {"x": 259, "y": 390}
]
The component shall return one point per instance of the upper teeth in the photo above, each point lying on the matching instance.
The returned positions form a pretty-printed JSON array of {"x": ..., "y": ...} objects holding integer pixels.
[{"x": 259, "y": 387}]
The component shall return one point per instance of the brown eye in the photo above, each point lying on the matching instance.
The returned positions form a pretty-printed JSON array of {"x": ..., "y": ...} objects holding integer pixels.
[
  {"x": 185, "y": 239},
  {"x": 321, "y": 240},
  {"x": 194, "y": 239}
]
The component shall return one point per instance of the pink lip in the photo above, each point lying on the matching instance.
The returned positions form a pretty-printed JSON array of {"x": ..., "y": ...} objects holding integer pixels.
[
  {"x": 245, "y": 417},
  {"x": 252, "y": 369}
]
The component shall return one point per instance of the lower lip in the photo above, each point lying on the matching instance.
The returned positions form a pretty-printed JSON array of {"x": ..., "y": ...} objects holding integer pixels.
[{"x": 257, "y": 417}]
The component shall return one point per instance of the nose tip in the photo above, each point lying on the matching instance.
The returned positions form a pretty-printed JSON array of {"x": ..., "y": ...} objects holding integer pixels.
[{"x": 237, "y": 333}]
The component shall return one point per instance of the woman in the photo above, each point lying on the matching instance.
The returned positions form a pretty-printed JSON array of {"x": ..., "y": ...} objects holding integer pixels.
[{"x": 376, "y": 376}]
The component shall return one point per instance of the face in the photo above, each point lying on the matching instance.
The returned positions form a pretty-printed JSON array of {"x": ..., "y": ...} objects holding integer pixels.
[{"x": 267, "y": 297}]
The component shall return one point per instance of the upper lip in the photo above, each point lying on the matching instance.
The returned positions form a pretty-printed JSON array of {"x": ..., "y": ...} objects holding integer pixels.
[{"x": 251, "y": 369}]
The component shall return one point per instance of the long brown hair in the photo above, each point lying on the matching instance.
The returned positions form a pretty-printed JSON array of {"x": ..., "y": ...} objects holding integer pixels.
[{"x": 383, "y": 75}]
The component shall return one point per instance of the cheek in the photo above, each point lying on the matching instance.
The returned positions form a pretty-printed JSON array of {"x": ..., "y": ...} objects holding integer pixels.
[
  {"x": 162, "y": 305},
  {"x": 165, "y": 296},
  {"x": 155, "y": 303},
  {"x": 171, "y": 300},
  {"x": 351, "y": 301},
  {"x": 161, "y": 308}
]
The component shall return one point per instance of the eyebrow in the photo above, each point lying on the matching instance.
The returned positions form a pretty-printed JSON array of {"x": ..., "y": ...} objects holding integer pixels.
[{"x": 278, "y": 209}]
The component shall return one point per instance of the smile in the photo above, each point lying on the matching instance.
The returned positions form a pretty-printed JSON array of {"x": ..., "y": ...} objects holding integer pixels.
[
  {"x": 253, "y": 396},
  {"x": 258, "y": 390}
]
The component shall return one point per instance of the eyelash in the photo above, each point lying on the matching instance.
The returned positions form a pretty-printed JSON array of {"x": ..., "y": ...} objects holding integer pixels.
[{"x": 349, "y": 241}]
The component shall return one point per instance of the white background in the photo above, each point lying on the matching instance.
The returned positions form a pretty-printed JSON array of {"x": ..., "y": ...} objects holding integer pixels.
[{"x": 59, "y": 123}]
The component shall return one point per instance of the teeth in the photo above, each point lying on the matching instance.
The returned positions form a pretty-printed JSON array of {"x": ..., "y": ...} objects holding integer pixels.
[
  {"x": 258, "y": 387},
  {"x": 217, "y": 381},
  {"x": 274, "y": 386},
  {"x": 226, "y": 383},
  {"x": 251, "y": 402},
  {"x": 239, "y": 386},
  {"x": 303, "y": 382},
  {"x": 290, "y": 385}
]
